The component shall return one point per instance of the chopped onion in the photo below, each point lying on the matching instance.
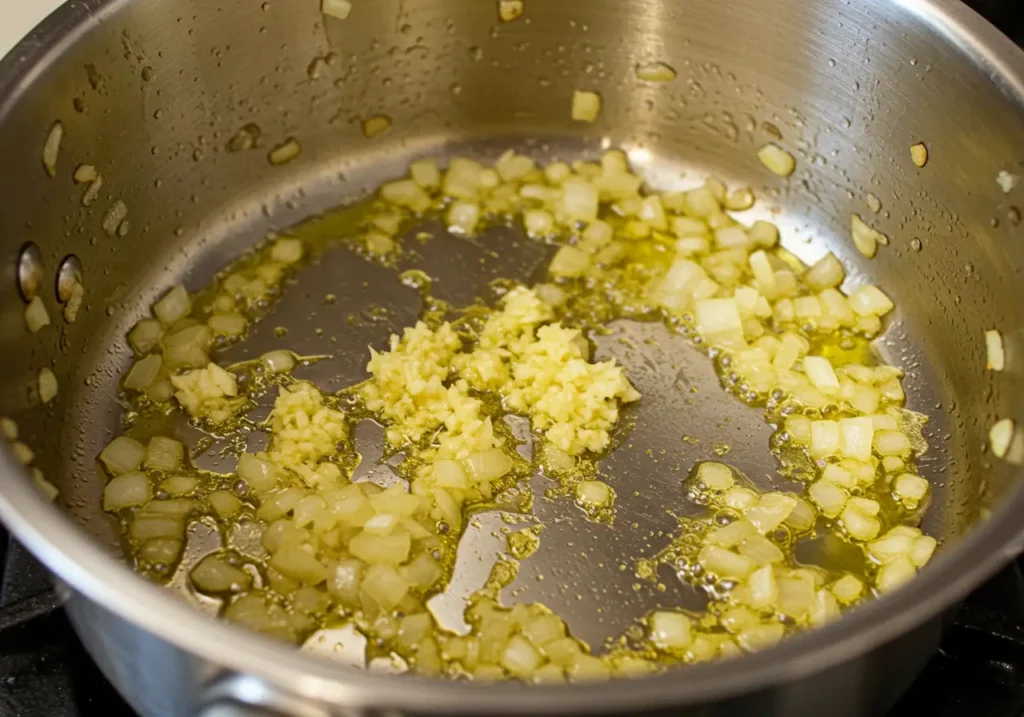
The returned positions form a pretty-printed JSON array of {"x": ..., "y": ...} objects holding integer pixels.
[
  {"x": 919, "y": 154},
  {"x": 47, "y": 384},
  {"x": 176, "y": 304},
  {"x": 520, "y": 657},
  {"x": 669, "y": 630},
  {"x": 509, "y": 10},
  {"x": 298, "y": 563},
  {"x": 280, "y": 361},
  {"x": 284, "y": 152},
  {"x": 922, "y": 551},
  {"x": 1000, "y": 436},
  {"x": 23, "y": 453},
  {"x": 9, "y": 428},
  {"x": 762, "y": 589},
  {"x": 761, "y": 636},
  {"x": 826, "y": 273},
  {"x": 164, "y": 454},
  {"x": 280, "y": 503},
  {"x": 36, "y": 315},
  {"x": 586, "y": 105},
  {"x": 161, "y": 550},
  {"x": 488, "y": 465},
  {"x": 127, "y": 490},
  {"x": 85, "y": 173},
  {"x": 48, "y": 489},
  {"x": 731, "y": 535},
  {"x": 384, "y": 586},
  {"x": 588, "y": 668},
  {"x": 450, "y": 474},
  {"x": 225, "y": 503},
  {"x": 179, "y": 485},
  {"x": 344, "y": 580},
  {"x": 260, "y": 475},
  {"x": 847, "y": 589},
  {"x": 51, "y": 148},
  {"x": 777, "y": 160},
  {"x": 387, "y": 549},
  {"x": 894, "y": 574},
  {"x": 146, "y": 335},
  {"x": 859, "y": 524},
  {"x": 215, "y": 575},
  {"x": 232, "y": 324},
  {"x": 406, "y": 193},
  {"x": 123, "y": 455},
  {"x": 655, "y": 72},
  {"x": 770, "y": 511},
  {"x": 763, "y": 234},
  {"x": 830, "y": 498},
  {"x": 911, "y": 487},
  {"x": 994, "y": 350},
  {"x": 870, "y": 301},
  {"x": 463, "y": 217},
  {"x": 339, "y": 9},
  {"x": 594, "y": 494},
  {"x": 376, "y": 126},
  {"x": 865, "y": 238},
  {"x": 725, "y": 563}
]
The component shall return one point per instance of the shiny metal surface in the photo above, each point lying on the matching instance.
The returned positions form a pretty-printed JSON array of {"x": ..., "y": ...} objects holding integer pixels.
[{"x": 151, "y": 92}]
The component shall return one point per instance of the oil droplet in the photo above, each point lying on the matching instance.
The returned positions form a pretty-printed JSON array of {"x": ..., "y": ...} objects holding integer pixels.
[{"x": 720, "y": 448}]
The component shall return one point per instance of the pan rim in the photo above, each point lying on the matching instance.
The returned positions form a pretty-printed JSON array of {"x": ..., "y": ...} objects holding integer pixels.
[{"x": 101, "y": 578}]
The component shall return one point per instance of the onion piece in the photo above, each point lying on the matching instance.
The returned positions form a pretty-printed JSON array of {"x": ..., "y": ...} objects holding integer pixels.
[
  {"x": 894, "y": 574},
  {"x": 176, "y": 304},
  {"x": 51, "y": 148},
  {"x": 146, "y": 335},
  {"x": 164, "y": 454},
  {"x": 777, "y": 160},
  {"x": 919, "y": 154},
  {"x": 509, "y": 10},
  {"x": 214, "y": 575},
  {"x": 47, "y": 385},
  {"x": 994, "y": 350},
  {"x": 655, "y": 72},
  {"x": 127, "y": 490},
  {"x": 376, "y": 126},
  {"x": 488, "y": 465},
  {"x": 284, "y": 152},
  {"x": 586, "y": 105},
  {"x": 384, "y": 586},
  {"x": 339, "y": 9},
  {"x": 36, "y": 315},
  {"x": 594, "y": 494},
  {"x": 865, "y": 238},
  {"x": 280, "y": 361},
  {"x": 669, "y": 630},
  {"x": 1001, "y": 435},
  {"x": 225, "y": 503}
]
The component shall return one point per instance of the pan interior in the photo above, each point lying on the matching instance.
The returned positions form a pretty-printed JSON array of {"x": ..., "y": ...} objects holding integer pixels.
[{"x": 584, "y": 571}]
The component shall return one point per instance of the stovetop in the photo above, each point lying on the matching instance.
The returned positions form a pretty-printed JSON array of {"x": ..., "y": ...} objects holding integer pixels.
[{"x": 978, "y": 671}]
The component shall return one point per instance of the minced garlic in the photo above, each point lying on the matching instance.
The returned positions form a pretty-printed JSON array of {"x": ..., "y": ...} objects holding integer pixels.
[
  {"x": 306, "y": 431},
  {"x": 407, "y": 387},
  {"x": 210, "y": 393}
]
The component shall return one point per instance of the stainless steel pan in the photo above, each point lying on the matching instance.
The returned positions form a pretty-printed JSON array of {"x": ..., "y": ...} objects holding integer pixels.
[{"x": 151, "y": 91}]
